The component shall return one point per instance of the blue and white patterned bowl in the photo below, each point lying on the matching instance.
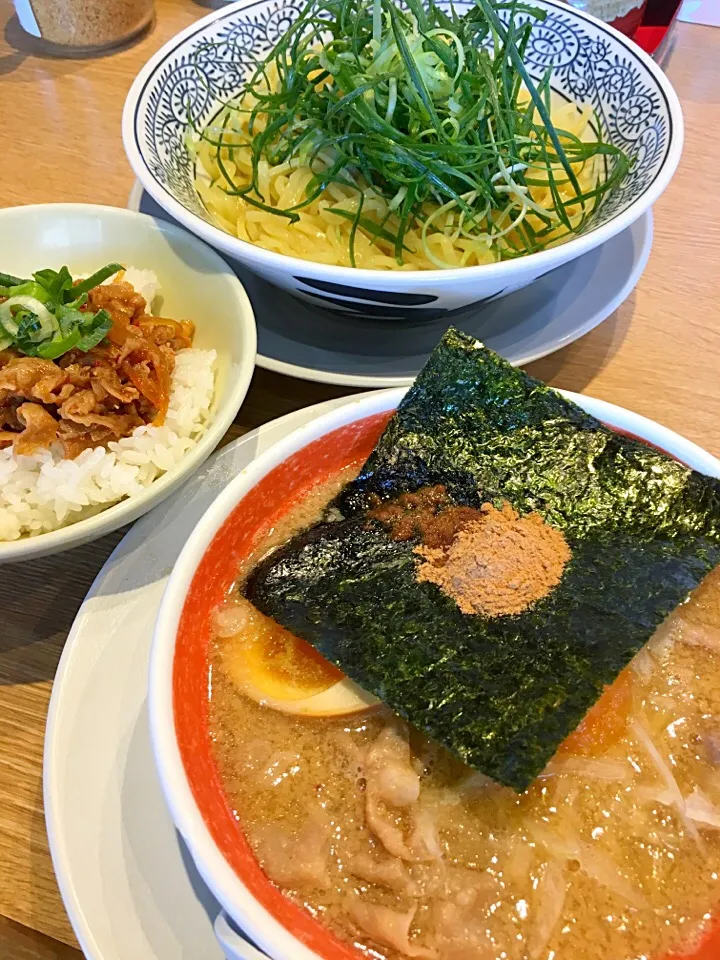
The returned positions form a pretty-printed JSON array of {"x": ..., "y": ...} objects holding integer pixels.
[{"x": 206, "y": 64}]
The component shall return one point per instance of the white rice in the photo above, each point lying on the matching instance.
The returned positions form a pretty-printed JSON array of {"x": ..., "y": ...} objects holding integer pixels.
[
  {"x": 145, "y": 282},
  {"x": 45, "y": 491}
]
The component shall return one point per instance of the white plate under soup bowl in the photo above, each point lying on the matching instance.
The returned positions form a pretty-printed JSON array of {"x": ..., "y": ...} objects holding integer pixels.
[
  {"x": 177, "y": 694},
  {"x": 195, "y": 284}
]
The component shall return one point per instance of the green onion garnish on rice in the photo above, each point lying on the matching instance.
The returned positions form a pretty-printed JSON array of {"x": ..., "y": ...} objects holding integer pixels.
[{"x": 43, "y": 318}]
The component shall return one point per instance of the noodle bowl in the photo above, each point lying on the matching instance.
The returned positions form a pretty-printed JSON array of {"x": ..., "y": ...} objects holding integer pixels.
[
  {"x": 182, "y": 92},
  {"x": 392, "y": 137}
]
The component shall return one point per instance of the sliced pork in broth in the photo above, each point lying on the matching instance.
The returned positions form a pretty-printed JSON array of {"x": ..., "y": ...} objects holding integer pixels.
[{"x": 399, "y": 848}]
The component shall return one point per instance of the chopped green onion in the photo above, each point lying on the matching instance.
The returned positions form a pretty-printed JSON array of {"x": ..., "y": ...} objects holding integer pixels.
[
  {"x": 69, "y": 318},
  {"x": 11, "y": 307},
  {"x": 95, "y": 279},
  {"x": 8, "y": 280},
  {"x": 52, "y": 349},
  {"x": 419, "y": 105},
  {"x": 55, "y": 282},
  {"x": 372, "y": 228},
  {"x": 35, "y": 327},
  {"x": 41, "y": 317},
  {"x": 102, "y": 322},
  {"x": 30, "y": 288}
]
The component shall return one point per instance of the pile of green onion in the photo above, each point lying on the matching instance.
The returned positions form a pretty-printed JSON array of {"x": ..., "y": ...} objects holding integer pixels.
[
  {"x": 422, "y": 106},
  {"x": 43, "y": 317}
]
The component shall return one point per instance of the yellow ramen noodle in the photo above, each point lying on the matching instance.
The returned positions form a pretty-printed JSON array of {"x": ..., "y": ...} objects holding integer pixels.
[{"x": 444, "y": 241}]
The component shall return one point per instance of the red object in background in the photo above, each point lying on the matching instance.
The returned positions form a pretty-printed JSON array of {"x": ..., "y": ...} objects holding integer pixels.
[
  {"x": 631, "y": 21},
  {"x": 654, "y": 31}
]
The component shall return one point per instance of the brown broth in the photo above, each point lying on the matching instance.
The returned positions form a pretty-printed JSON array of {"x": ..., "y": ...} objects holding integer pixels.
[{"x": 595, "y": 860}]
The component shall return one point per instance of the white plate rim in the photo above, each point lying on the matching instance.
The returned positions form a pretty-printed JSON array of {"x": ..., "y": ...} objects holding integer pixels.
[
  {"x": 81, "y": 924},
  {"x": 644, "y": 223}
]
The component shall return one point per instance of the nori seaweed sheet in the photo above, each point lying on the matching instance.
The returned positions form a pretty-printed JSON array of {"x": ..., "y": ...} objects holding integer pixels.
[{"x": 501, "y": 693}]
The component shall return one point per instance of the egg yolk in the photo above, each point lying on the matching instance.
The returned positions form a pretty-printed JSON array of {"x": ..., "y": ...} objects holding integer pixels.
[
  {"x": 604, "y": 723},
  {"x": 279, "y": 664}
]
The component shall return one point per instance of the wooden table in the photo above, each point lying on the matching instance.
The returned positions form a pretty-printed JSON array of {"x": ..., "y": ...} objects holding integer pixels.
[{"x": 659, "y": 354}]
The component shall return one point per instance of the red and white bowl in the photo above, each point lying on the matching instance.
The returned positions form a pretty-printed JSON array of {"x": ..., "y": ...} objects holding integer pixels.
[{"x": 177, "y": 696}]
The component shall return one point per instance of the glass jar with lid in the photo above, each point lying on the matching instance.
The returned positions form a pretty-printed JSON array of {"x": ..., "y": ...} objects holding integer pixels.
[{"x": 83, "y": 26}]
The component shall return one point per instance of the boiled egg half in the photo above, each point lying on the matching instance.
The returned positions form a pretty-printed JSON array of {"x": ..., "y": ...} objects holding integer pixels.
[{"x": 279, "y": 670}]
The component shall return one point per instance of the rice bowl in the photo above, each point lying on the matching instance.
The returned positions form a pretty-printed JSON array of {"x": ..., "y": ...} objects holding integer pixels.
[{"x": 65, "y": 503}]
